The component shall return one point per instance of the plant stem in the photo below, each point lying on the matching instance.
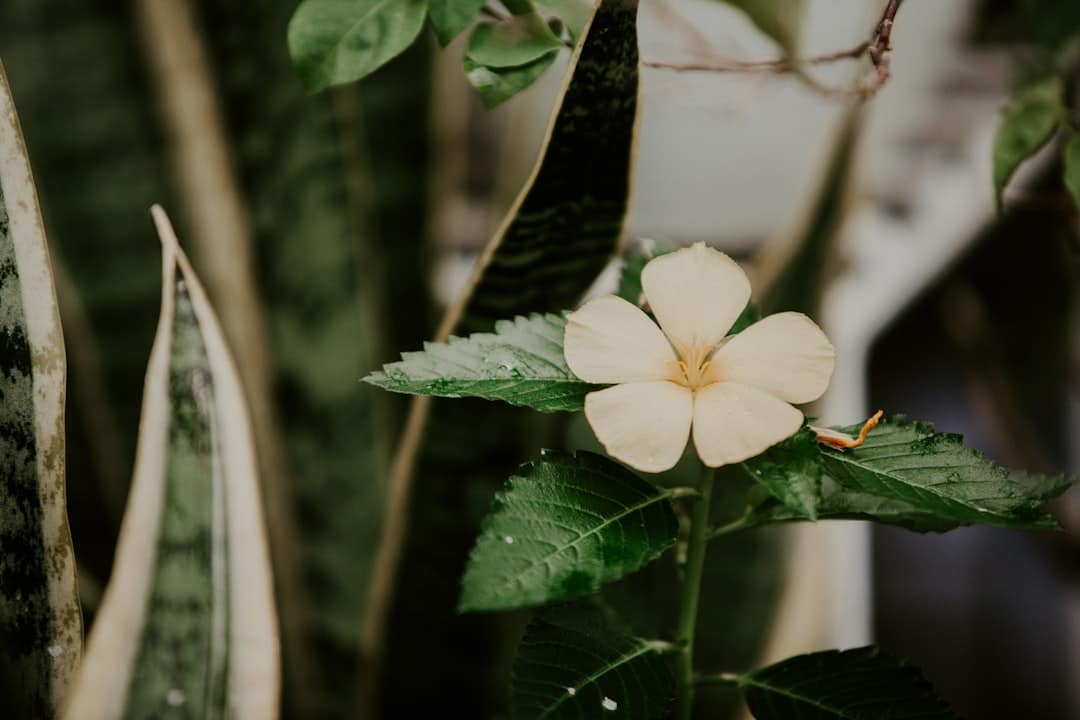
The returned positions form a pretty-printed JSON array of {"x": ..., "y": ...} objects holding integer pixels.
[{"x": 691, "y": 593}]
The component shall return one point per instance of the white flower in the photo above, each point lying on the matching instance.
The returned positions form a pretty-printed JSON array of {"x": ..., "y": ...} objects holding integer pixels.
[{"x": 736, "y": 393}]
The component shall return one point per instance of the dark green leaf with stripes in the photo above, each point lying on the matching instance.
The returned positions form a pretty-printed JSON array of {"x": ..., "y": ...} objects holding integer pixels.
[
  {"x": 860, "y": 684},
  {"x": 563, "y": 526},
  {"x": 575, "y": 663},
  {"x": 520, "y": 363}
]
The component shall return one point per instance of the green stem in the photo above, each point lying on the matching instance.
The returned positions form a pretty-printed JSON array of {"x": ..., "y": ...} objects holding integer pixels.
[{"x": 691, "y": 593}]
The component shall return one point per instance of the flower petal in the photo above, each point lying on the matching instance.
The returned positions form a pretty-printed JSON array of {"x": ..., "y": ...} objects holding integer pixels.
[
  {"x": 645, "y": 425},
  {"x": 610, "y": 340},
  {"x": 734, "y": 422},
  {"x": 786, "y": 355},
  {"x": 696, "y": 293}
]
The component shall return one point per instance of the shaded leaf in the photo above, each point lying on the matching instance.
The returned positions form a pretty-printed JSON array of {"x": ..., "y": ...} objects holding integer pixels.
[
  {"x": 911, "y": 476},
  {"x": 779, "y": 19},
  {"x": 790, "y": 473},
  {"x": 1029, "y": 122},
  {"x": 497, "y": 85},
  {"x": 188, "y": 617},
  {"x": 518, "y": 40},
  {"x": 40, "y": 618},
  {"x": 860, "y": 684},
  {"x": 572, "y": 663},
  {"x": 1072, "y": 168},
  {"x": 338, "y": 41},
  {"x": 450, "y": 17},
  {"x": 521, "y": 363},
  {"x": 563, "y": 526},
  {"x": 575, "y": 14}
]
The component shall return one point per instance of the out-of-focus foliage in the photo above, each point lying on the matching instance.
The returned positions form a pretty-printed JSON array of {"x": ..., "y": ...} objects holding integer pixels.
[
  {"x": 1029, "y": 123},
  {"x": 781, "y": 20}
]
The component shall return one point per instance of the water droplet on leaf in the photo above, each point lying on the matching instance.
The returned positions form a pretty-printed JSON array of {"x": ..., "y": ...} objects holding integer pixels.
[
  {"x": 175, "y": 697},
  {"x": 609, "y": 704}
]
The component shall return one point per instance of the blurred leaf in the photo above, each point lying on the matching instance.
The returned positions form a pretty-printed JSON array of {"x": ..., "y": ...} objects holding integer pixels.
[
  {"x": 40, "y": 618},
  {"x": 1072, "y": 168},
  {"x": 563, "y": 526},
  {"x": 450, "y": 17},
  {"x": 518, "y": 40},
  {"x": 781, "y": 20},
  {"x": 521, "y": 363},
  {"x": 188, "y": 617},
  {"x": 333, "y": 42},
  {"x": 1029, "y": 122},
  {"x": 863, "y": 683},
  {"x": 573, "y": 664},
  {"x": 574, "y": 13},
  {"x": 791, "y": 471},
  {"x": 630, "y": 277},
  {"x": 907, "y": 474},
  {"x": 497, "y": 85}
]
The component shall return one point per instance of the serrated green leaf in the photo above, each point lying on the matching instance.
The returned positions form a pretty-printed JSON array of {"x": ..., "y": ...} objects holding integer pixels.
[
  {"x": 572, "y": 663},
  {"x": 188, "y": 617},
  {"x": 40, "y": 618},
  {"x": 1072, "y": 168},
  {"x": 563, "y": 526},
  {"x": 338, "y": 41},
  {"x": 860, "y": 684},
  {"x": 907, "y": 474},
  {"x": 1029, "y": 122},
  {"x": 450, "y": 17},
  {"x": 790, "y": 473},
  {"x": 497, "y": 85},
  {"x": 518, "y": 40},
  {"x": 779, "y": 19},
  {"x": 521, "y": 363}
]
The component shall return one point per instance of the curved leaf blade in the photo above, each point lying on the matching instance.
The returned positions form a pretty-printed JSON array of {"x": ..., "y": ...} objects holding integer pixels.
[
  {"x": 573, "y": 664},
  {"x": 860, "y": 684},
  {"x": 40, "y": 617},
  {"x": 188, "y": 618},
  {"x": 518, "y": 40},
  {"x": 778, "y": 19},
  {"x": 333, "y": 42},
  {"x": 521, "y": 363},
  {"x": 1029, "y": 123},
  {"x": 1072, "y": 168},
  {"x": 497, "y": 85},
  {"x": 450, "y": 17},
  {"x": 563, "y": 526}
]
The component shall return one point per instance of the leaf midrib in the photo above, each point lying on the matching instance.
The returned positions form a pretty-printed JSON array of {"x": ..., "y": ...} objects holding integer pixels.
[
  {"x": 590, "y": 679},
  {"x": 750, "y": 681}
]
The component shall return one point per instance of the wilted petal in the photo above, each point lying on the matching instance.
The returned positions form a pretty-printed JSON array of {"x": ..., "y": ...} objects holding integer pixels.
[
  {"x": 696, "y": 293},
  {"x": 735, "y": 422},
  {"x": 612, "y": 341},
  {"x": 785, "y": 354},
  {"x": 645, "y": 425}
]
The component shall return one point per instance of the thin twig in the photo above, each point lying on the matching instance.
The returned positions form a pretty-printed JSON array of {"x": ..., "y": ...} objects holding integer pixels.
[{"x": 878, "y": 48}]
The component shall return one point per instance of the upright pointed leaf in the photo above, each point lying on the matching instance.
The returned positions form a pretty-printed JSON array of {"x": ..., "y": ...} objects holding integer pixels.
[
  {"x": 861, "y": 684},
  {"x": 40, "y": 618},
  {"x": 574, "y": 664},
  {"x": 779, "y": 19},
  {"x": 188, "y": 617},
  {"x": 908, "y": 474},
  {"x": 521, "y": 363},
  {"x": 564, "y": 526},
  {"x": 1029, "y": 122},
  {"x": 338, "y": 41}
]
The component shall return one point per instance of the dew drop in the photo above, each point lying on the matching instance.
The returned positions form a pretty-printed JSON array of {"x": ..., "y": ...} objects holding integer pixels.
[
  {"x": 54, "y": 650},
  {"x": 571, "y": 691},
  {"x": 609, "y": 704},
  {"x": 508, "y": 540},
  {"x": 175, "y": 697}
]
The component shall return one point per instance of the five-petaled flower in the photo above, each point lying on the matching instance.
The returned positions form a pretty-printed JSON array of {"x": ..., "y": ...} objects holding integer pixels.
[{"x": 737, "y": 393}]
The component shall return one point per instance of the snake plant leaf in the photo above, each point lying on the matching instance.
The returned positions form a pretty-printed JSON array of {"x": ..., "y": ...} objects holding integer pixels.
[
  {"x": 450, "y": 17},
  {"x": 863, "y": 683},
  {"x": 909, "y": 475},
  {"x": 1072, "y": 168},
  {"x": 521, "y": 363},
  {"x": 1029, "y": 123},
  {"x": 333, "y": 42},
  {"x": 574, "y": 663},
  {"x": 779, "y": 19},
  {"x": 187, "y": 624},
  {"x": 565, "y": 525},
  {"x": 40, "y": 618}
]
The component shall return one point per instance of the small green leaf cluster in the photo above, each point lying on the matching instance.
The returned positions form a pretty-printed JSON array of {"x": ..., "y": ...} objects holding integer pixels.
[
  {"x": 567, "y": 524},
  {"x": 334, "y": 42}
]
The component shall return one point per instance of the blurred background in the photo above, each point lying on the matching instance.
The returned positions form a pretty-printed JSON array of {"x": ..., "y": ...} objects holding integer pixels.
[{"x": 333, "y": 228}]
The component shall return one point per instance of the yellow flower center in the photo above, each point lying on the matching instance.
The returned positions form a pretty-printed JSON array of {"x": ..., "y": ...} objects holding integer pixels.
[{"x": 692, "y": 368}]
